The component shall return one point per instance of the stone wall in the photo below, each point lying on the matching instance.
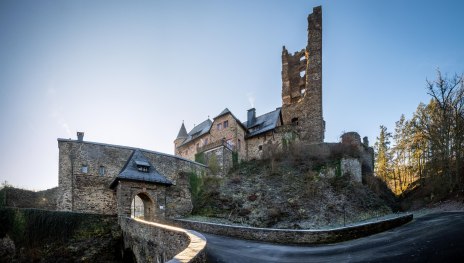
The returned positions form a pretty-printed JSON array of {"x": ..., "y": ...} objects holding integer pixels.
[
  {"x": 286, "y": 236},
  {"x": 93, "y": 195},
  {"x": 89, "y": 191},
  {"x": 189, "y": 150},
  {"x": 152, "y": 242},
  {"x": 302, "y": 84},
  {"x": 261, "y": 146},
  {"x": 220, "y": 159},
  {"x": 351, "y": 167}
]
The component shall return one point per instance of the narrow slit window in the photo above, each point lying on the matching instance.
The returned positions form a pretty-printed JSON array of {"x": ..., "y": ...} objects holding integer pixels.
[
  {"x": 101, "y": 170},
  {"x": 295, "y": 121}
]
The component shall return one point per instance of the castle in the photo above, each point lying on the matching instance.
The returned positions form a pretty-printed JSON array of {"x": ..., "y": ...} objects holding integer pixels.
[
  {"x": 299, "y": 117},
  {"x": 107, "y": 179}
]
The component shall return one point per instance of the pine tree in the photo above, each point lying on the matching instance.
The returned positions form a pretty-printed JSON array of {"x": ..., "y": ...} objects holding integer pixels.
[{"x": 382, "y": 155}]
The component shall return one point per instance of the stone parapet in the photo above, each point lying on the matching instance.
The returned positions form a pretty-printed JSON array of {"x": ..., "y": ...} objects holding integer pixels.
[
  {"x": 154, "y": 242},
  {"x": 288, "y": 236}
]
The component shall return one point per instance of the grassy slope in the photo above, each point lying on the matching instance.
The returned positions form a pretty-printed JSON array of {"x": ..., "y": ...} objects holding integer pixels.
[{"x": 286, "y": 193}]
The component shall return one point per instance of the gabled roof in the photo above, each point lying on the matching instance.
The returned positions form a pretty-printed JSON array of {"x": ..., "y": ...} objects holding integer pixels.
[
  {"x": 224, "y": 112},
  {"x": 131, "y": 173},
  {"x": 227, "y": 111},
  {"x": 182, "y": 132},
  {"x": 263, "y": 123},
  {"x": 198, "y": 131}
]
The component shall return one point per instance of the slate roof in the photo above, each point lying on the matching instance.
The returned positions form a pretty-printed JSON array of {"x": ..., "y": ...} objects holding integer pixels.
[
  {"x": 198, "y": 131},
  {"x": 182, "y": 132},
  {"x": 131, "y": 173},
  {"x": 263, "y": 123}
]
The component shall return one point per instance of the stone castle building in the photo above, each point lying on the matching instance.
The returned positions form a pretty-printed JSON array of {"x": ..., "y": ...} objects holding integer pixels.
[
  {"x": 299, "y": 117},
  {"x": 108, "y": 179}
]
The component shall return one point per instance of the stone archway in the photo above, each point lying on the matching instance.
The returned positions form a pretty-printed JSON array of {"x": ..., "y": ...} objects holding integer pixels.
[{"x": 143, "y": 207}]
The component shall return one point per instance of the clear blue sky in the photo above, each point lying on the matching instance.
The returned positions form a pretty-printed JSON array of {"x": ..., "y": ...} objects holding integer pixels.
[{"x": 128, "y": 73}]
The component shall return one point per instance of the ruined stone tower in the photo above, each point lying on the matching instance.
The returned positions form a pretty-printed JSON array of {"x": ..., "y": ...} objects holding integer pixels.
[{"x": 302, "y": 84}]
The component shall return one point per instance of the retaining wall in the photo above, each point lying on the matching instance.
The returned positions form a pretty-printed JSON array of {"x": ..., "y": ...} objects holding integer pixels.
[
  {"x": 288, "y": 236},
  {"x": 153, "y": 242}
]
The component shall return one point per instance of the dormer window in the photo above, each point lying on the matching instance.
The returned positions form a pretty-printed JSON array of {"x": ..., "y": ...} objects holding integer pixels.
[{"x": 142, "y": 166}]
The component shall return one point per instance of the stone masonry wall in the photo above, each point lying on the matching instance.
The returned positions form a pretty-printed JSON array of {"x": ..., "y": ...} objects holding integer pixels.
[
  {"x": 93, "y": 195},
  {"x": 151, "y": 242},
  {"x": 90, "y": 192},
  {"x": 291, "y": 236},
  {"x": 263, "y": 145},
  {"x": 351, "y": 166},
  {"x": 302, "y": 95},
  {"x": 224, "y": 160},
  {"x": 73, "y": 155}
]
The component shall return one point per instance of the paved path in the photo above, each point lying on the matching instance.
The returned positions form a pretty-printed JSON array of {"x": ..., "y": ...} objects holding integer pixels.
[{"x": 430, "y": 238}]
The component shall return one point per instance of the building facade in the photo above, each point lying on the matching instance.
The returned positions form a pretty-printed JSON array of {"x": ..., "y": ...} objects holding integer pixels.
[{"x": 105, "y": 179}]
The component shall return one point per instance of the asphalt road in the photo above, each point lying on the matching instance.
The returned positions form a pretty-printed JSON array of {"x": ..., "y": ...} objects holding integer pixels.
[{"x": 431, "y": 238}]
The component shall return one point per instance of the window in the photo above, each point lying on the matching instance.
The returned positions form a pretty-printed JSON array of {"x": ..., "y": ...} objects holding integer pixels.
[
  {"x": 142, "y": 166},
  {"x": 260, "y": 147},
  {"x": 84, "y": 169},
  {"x": 101, "y": 170},
  {"x": 206, "y": 141},
  {"x": 219, "y": 126},
  {"x": 295, "y": 121},
  {"x": 239, "y": 144},
  {"x": 226, "y": 124}
]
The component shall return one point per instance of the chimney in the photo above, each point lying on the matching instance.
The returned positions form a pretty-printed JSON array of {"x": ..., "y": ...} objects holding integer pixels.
[
  {"x": 251, "y": 117},
  {"x": 80, "y": 136}
]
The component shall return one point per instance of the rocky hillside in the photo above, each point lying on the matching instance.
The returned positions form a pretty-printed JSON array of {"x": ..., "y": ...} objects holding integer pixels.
[{"x": 285, "y": 192}]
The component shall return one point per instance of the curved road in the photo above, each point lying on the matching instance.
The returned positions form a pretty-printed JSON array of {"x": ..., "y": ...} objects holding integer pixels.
[{"x": 431, "y": 238}]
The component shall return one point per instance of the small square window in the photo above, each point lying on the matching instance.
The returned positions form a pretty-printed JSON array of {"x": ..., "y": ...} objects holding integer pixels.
[
  {"x": 226, "y": 124},
  {"x": 84, "y": 169},
  {"x": 219, "y": 126},
  {"x": 101, "y": 170},
  {"x": 260, "y": 147}
]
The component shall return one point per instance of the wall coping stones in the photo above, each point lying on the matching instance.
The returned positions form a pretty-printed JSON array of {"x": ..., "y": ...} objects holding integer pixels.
[
  {"x": 192, "y": 253},
  {"x": 132, "y": 148},
  {"x": 294, "y": 236}
]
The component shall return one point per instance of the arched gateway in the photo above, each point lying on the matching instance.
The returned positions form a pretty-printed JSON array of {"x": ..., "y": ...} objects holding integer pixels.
[{"x": 140, "y": 189}]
